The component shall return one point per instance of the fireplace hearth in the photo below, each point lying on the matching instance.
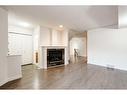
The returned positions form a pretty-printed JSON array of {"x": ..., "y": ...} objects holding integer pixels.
[{"x": 55, "y": 57}]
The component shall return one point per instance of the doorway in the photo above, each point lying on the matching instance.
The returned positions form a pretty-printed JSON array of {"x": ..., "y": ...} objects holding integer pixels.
[{"x": 77, "y": 45}]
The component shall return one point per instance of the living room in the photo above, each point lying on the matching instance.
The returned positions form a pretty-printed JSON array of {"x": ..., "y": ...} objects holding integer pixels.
[{"x": 63, "y": 47}]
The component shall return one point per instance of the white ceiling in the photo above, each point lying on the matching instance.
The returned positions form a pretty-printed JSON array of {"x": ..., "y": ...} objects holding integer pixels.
[{"x": 79, "y": 18}]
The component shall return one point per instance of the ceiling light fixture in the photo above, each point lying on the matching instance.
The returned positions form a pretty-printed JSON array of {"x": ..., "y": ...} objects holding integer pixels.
[{"x": 61, "y": 26}]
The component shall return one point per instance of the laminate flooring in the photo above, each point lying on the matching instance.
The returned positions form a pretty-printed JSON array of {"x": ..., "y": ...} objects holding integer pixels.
[{"x": 76, "y": 75}]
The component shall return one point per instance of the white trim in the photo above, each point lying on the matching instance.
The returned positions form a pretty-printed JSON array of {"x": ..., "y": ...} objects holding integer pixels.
[
  {"x": 14, "y": 77},
  {"x": 3, "y": 82},
  {"x": 105, "y": 66},
  {"x": 10, "y": 79}
]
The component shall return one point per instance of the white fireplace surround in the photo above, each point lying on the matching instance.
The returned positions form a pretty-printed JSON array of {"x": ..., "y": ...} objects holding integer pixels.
[{"x": 43, "y": 55}]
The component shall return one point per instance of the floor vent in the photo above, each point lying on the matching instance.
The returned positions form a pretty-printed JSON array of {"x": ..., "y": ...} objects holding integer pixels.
[{"x": 110, "y": 67}]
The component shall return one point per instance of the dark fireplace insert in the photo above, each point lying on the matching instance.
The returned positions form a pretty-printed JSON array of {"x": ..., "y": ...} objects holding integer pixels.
[{"x": 55, "y": 57}]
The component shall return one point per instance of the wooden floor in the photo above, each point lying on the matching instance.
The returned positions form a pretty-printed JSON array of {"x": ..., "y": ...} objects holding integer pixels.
[{"x": 77, "y": 75}]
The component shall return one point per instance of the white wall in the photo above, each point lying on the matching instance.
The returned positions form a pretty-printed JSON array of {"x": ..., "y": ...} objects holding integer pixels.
[
  {"x": 3, "y": 45},
  {"x": 45, "y": 36},
  {"x": 65, "y": 38},
  {"x": 56, "y": 38},
  {"x": 78, "y": 43},
  {"x": 108, "y": 47},
  {"x": 59, "y": 38}
]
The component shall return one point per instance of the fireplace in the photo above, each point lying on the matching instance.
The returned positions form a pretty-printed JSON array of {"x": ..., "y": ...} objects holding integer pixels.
[{"x": 55, "y": 57}]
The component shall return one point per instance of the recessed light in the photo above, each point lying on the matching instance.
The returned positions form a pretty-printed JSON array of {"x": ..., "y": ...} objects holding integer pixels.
[{"x": 61, "y": 26}]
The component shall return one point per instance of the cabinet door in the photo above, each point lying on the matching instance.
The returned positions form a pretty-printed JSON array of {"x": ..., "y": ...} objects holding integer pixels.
[
  {"x": 27, "y": 49},
  {"x": 14, "y": 44},
  {"x": 21, "y": 45}
]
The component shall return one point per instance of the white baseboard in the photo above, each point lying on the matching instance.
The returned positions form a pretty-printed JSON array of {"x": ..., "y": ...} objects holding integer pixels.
[
  {"x": 105, "y": 65},
  {"x": 10, "y": 79},
  {"x": 3, "y": 82},
  {"x": 14, "y": 77}
]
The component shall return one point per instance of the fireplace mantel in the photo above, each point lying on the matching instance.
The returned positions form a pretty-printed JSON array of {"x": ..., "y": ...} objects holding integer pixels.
[{"x": 43, "y": 55}]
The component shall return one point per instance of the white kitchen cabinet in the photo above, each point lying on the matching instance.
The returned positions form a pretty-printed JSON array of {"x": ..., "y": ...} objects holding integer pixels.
[{"x": 21, "y": 44}]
